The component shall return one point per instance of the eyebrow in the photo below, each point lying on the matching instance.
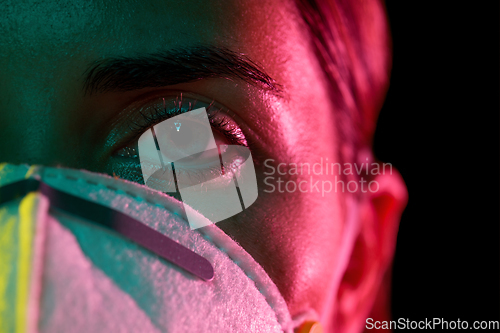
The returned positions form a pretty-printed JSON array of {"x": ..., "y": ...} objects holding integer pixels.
[{"x": 172, "y": 67}]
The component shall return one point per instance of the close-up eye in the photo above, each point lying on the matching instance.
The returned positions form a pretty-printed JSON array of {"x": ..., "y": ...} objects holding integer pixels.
[
  {"x": 177, "y": 140},
  {"x": 235, "y": 166}
]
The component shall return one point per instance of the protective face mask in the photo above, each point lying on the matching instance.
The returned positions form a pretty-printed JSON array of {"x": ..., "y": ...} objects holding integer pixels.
[{"x": 84, "y": 252}]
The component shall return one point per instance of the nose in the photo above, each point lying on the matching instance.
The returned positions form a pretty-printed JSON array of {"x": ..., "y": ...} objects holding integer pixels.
[{"x": 40, "y": 122}]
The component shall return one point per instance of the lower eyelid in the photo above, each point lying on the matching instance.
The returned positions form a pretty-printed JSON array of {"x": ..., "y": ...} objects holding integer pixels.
[
  {"x": 186, "y": 176},
  {"x": 129, "y": 152}
]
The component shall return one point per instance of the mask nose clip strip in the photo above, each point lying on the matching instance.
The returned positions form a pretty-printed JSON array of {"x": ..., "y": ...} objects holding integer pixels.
[{"x": 114, "y": 220}]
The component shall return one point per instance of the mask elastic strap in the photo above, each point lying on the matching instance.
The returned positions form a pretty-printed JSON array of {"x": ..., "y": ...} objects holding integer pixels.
[{"x": 114, "y": 220}]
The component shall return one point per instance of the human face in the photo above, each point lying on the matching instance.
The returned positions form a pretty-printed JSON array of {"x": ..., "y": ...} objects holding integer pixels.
[{"x": 48, "y": 118}]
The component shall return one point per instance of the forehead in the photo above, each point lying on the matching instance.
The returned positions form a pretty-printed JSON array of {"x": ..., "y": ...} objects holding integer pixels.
[
  {"x": 57, "y": 40},
  {"x": 93, "y": 25},
  {"x": 110, "y": 28}
]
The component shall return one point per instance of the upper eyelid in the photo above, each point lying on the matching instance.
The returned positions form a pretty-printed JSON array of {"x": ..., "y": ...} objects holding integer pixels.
[
  {"x": 160, "y": 115},
  {"x": 150, "y": 118}
]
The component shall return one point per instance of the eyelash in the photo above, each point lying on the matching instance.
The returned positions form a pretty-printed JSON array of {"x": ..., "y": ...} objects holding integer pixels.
[{"x": 218, "y": 120}]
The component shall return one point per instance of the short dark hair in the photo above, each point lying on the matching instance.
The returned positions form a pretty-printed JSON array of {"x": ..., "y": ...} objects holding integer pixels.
[{"x": 351, "y": 39}]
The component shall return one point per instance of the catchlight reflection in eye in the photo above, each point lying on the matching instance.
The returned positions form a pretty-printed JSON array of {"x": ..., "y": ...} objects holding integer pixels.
[{"x": 224, "y": 182}]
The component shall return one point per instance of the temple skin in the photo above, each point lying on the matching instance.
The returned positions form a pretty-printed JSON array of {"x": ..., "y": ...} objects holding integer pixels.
[{"x": 298, "y": 238}]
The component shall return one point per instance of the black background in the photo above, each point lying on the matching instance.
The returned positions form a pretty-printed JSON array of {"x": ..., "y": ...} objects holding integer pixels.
[{"x": 440, "y": 127}]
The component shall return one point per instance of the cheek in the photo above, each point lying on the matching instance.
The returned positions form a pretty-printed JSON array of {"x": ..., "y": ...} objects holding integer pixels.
[
  {"x": 296, "y": 238},
  {"x": 297, "y": 221}
]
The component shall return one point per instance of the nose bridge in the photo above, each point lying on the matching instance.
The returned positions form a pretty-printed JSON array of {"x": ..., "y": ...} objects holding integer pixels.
[
  {"x": 40, "y": 43},
  {"x": 35, "y": 114}
]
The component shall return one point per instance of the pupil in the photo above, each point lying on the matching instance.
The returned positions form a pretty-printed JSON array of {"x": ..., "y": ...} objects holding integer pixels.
[{"x": 184, "y": 137}]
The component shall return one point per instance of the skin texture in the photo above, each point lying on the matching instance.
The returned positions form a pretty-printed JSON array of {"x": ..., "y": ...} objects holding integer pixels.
[{"x": 297, "y": 237}]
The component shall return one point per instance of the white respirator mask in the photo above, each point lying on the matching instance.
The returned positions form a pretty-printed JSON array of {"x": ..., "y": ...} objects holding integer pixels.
[{"x": 85, "y": 252}]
